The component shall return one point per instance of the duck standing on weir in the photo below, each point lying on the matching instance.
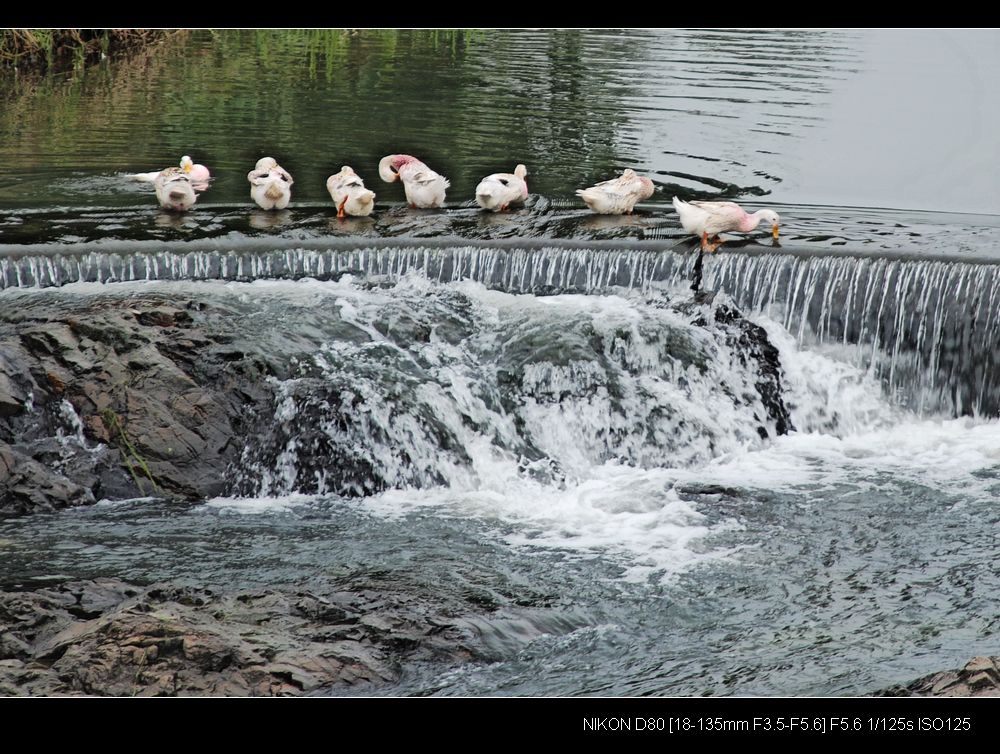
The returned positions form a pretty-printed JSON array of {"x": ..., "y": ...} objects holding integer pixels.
[
  {"x": 270, "y": 184},
  {"x": 709, "y": 219},
  {"x": 423, "y": 187},
  {"x": 498, "y": 191},
  {"x": 617, "y": 196}
]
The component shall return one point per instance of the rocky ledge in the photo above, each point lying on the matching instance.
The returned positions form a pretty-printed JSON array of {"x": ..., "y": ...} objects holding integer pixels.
[
  {"x": 109, "y": 638},
  {"x": 114, "y": 397},
  {"x": 132, "y": 393},
  {"x": 980, "y": 676}
]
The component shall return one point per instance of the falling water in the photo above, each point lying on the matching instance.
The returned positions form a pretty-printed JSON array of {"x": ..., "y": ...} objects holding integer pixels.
[
  {"x": 467, "y": 388},
  {"x": 927, "y": 328}
]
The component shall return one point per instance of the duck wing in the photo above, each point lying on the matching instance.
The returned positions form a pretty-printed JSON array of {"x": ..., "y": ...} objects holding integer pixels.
[
  {"x": 718, "y": 206},
  {"x": 169, "y": 175},
  {"x": 721, "y": 216},
  {"x": 257, "y": 177},
  {"x": 427, "y": 176}
]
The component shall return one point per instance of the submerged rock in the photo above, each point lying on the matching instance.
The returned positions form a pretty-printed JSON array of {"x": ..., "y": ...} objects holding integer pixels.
[{"x": 106, "y": 637}]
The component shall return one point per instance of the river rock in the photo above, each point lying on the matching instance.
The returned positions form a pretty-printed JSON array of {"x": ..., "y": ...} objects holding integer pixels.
[
  {"x": 27, "y": 486},
  {"x": 126, "y": 401},
  {"x": 980, "y": 676},
  {"x": 109, "y": 638}
]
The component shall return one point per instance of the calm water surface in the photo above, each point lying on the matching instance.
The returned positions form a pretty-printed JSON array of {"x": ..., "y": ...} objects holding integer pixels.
[{"x": 898, "y": 119}]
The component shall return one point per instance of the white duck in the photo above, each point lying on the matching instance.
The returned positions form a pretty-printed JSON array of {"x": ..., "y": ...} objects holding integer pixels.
[
  {"x": 424, "y": 188},
  {"x": 199, "y": 174},
  {"x": 349, "y": 193},
  {"x": 174, "y": 190},
  {"x": 709, "y": 219},
  {"x": 617, "y": 196},
  {"x": 498, "y": 191},
  {"x": 196, "y": 172},
  {"x": 270, "y": 184}
]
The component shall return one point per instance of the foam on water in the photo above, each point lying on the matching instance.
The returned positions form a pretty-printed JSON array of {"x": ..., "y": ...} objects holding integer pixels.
[
  {"x": 579, "y": 424},
  {"x": 258, "y": 505}
]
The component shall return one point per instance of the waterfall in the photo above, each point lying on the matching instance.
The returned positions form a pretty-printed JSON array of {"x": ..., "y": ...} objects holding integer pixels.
[
  {"x": 460, "y": 386},
  {"x": 927, "y": 328}
]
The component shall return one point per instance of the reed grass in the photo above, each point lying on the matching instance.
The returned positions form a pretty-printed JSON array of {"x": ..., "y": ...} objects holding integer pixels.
[{"x": 48, "y": 49}]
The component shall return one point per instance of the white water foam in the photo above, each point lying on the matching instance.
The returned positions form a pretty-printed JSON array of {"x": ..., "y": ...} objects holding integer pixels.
[
  {"x": 258, "y": 505},
  {"x": 631, "y": 516},
  {"x": 847, "y": 433}
]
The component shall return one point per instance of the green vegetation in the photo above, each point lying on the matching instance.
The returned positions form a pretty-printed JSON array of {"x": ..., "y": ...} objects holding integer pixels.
[
  {"x": 130, "y": 454},
  {"x": 47, "y": 49},
  {"x": 467, "y": 102}
]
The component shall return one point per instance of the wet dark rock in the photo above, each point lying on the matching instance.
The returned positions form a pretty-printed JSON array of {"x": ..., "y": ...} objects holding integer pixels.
[
  {"x": 112, "y": 396},
  {"x": 109, "y": 638},
  {"x": 27, "y": 486},
  {"x": 126, "y": 400},
  {"x": 13, "y": 394},
  {"x": 979, "y": 677},
  {"x": 752, "y": 346}
]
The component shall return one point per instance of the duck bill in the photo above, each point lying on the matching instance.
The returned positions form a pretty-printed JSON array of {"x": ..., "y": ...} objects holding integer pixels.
[{"x": 774, "y": 231}]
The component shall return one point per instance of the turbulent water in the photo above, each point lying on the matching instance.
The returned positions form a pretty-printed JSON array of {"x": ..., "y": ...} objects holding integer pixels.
[
  {"x": 928, "y": 328},
  {"x": 602, "y": 459},
  {"x": 535, "y": 411}
]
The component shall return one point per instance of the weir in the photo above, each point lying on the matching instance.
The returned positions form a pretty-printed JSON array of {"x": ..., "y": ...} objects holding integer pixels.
[{"x": 927, "y": 327}]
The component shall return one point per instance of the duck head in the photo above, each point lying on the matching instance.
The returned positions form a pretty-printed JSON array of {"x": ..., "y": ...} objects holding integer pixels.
[
  {"x": 770, "y": 216},
  {"x": 388, "y": 167}
]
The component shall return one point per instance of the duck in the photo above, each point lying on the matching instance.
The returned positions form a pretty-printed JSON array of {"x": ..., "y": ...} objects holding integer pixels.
[
  {"x": 499, "y": 190},
  {"x": 349, "y": 193},
  {"x": 270, "y": 184},
  {"x": 424, "y": 188},
  {"x": 199, "y": 174},
  {"x": 709, "y": 219},
  {"x": 174, "y": 190},
  {"x": 196, "y": 172},
  {"x": 617, "y": 196}
]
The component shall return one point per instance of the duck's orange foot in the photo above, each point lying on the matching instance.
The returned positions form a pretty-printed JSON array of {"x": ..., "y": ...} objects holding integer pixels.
[{"x": 340, "y": 210}]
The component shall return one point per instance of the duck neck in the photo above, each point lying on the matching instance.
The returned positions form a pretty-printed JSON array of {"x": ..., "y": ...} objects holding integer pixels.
[{"x": 750, "y": 222}]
